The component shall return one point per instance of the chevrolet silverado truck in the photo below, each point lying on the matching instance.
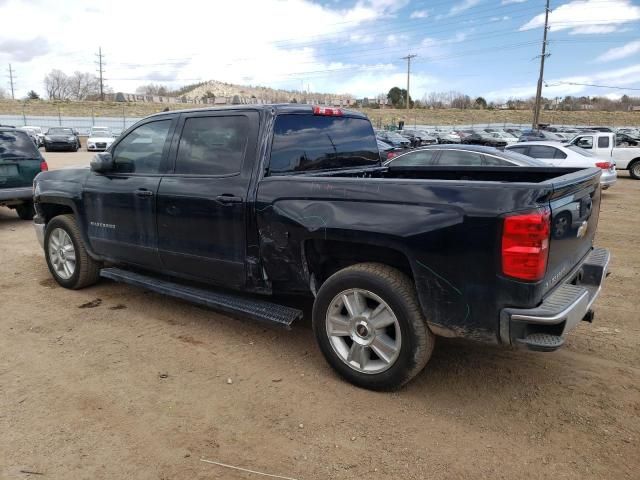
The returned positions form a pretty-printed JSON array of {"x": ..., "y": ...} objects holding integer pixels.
[{"x": 233, "y": 208}]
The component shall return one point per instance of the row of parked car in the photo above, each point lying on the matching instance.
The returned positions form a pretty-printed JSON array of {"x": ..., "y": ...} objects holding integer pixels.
[
  {"x": 595, "y": 146},
  {"x": 68, "y": 139},
  {"x": 499, "y": 138}
]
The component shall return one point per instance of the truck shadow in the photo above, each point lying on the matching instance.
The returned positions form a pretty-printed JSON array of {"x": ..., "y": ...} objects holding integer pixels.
[{"x": 9, "y": 218}]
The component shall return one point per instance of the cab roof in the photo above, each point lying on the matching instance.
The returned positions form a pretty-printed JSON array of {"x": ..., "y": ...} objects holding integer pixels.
[{"x": 275, "y": 108}]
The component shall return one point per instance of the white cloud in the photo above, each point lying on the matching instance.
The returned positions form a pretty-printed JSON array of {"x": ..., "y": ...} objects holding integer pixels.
[
  {"x": 509, "y": 2},
  {"x": 622, "y": 77},
  {"x": 419, "y": 14},
  {"x": 149, "y": 50},
  {"x": 617, "y": 53},
  {"x": 394, "y": 39},
  {"x": 462, "y": 6},
  {"x": 588, "y": 16}
]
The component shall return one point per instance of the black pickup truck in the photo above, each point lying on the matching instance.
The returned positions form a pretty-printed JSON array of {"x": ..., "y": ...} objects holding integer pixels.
[{"x": 226, "y": 207}]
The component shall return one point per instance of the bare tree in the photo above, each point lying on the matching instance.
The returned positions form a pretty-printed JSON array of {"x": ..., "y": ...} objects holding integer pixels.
[
  {"x": 153, "y": 89},
  {"x": 56, "y": 84},
  {"x": 82, "y": 85},
  {"x": 3, "y": 93}
]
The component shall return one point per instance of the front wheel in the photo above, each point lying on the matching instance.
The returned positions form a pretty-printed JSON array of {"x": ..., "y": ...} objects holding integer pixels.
[
  {"x": 67, "y": 257},
  {"x": 634, "y": 169},
  {"x": 369, "y": 326}
]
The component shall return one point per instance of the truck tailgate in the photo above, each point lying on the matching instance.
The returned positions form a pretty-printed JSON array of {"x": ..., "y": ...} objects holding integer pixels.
[{"x": 575, "y": 206}]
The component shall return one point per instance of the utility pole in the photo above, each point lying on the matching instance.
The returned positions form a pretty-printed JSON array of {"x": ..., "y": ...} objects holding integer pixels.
[
  {"x": 536, "y": 112},
  {"x": 13, "y": 97},
  {"x": 100, "y": 72},
  {"x": 408, "y": 59}
]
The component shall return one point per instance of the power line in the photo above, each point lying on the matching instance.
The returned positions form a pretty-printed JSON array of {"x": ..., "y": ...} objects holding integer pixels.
[
  {"x": 101, "y": 71},
  {"x": 590, "y": 85},
  {"x": 536, "y": 113},
  {"x": 11, "y": 77},
  {"x": 408, "y": 59}
]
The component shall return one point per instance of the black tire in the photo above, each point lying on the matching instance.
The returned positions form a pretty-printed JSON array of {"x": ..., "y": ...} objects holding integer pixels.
[
  {"x": 25, "y": 211},
  {"x": 398, "y": 291},
  {"x": 87, "y": 270},
  {"x": 634, "y": 169}
]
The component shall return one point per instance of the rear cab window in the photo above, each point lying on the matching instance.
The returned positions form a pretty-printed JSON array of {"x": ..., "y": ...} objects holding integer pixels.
[{"x": 308, "y": 143}]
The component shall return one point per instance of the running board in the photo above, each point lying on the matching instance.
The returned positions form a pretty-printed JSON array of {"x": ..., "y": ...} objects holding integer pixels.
[{"x": 232, "y": 303}]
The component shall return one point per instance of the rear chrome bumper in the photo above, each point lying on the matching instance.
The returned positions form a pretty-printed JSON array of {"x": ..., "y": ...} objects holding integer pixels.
[{"x": 563, "y": 309}]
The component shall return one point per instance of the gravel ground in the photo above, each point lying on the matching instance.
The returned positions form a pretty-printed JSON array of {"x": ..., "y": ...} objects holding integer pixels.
[{"x": 113, "y": 382}]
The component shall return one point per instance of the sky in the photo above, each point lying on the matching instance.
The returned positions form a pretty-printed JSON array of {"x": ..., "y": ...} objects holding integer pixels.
[{"x": 486, "y": 48}]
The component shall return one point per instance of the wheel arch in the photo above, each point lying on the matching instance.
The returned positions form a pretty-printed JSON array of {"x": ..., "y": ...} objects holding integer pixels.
[
  {"x": 48, "y": 208},
  {"x": 323, "y": 257}
]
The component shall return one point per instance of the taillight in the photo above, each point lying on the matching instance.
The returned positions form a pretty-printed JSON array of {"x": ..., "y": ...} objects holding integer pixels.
[
  {"x": 43, "y": 166},
  {"x": 525, "y": 245},
  {"x": 390, "y": 155},
  {"x": 332, "y": 112},
  {"x": 603, "y": 165}
]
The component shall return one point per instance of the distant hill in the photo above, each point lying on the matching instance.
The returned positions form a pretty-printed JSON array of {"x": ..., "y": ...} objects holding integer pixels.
[{"x": 215, "y": 89}]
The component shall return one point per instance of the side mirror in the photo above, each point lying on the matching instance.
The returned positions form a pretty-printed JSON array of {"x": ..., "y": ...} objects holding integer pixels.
[{"x": 102, "y": 162}]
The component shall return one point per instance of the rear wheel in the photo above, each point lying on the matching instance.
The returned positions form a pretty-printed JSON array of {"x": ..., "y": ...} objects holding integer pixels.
[
  {"x": 634, "y": 169},
  {"x": 369, "y": 326},
  {"x": 25, "y": 211},
  {"x": 67, "y": 257}
]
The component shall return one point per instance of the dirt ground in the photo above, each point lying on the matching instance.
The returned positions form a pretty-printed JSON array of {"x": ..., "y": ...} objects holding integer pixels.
[{"x": 113, "y": 382}]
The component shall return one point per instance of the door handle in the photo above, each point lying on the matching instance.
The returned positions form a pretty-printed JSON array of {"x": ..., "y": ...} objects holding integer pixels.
[
  {"x": 143, "y": 192},
  {"x": 228, "y": 199}
]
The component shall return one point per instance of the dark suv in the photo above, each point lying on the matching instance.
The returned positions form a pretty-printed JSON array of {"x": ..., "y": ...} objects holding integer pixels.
[{"x": 20, "y": 162}]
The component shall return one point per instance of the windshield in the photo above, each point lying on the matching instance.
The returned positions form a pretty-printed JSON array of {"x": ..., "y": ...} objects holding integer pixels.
[
  {"x": 60, "y": 131},
  {"x": 100, "y": 131},
  {"x": 581, "y": 151},
  {"x": 16, "y": 145}
]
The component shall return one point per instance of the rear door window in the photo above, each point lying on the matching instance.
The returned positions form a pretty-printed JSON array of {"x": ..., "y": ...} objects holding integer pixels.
[
  {"x": 212, "y": 145},
  {"x": 459, "y": 158},
  {"x": 522, "y": 150},
  {"x": 303, "y": 143},
  {"x": 603, "y": 142},
  {"x": 492, "y": 161},
  {"x": 414, "y": 159},
  {"x": 542, "y": 151}
]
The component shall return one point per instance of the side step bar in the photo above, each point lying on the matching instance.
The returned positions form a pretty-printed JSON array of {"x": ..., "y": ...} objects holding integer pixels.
[{"x": 232, "y": 303}]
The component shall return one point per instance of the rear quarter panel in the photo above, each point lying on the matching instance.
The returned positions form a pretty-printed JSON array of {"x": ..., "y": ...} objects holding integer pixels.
[{"x": 448, "y": 231}]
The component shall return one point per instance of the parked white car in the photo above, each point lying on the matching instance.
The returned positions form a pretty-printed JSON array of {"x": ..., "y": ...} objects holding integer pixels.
[
  {"x": 563, "y": 155},
  {"x": 506, "y": 136},
  {"x": 36, "y": 133},
  {"x": 100, "y": 138},
  {"x": 602, "y": 144}
]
